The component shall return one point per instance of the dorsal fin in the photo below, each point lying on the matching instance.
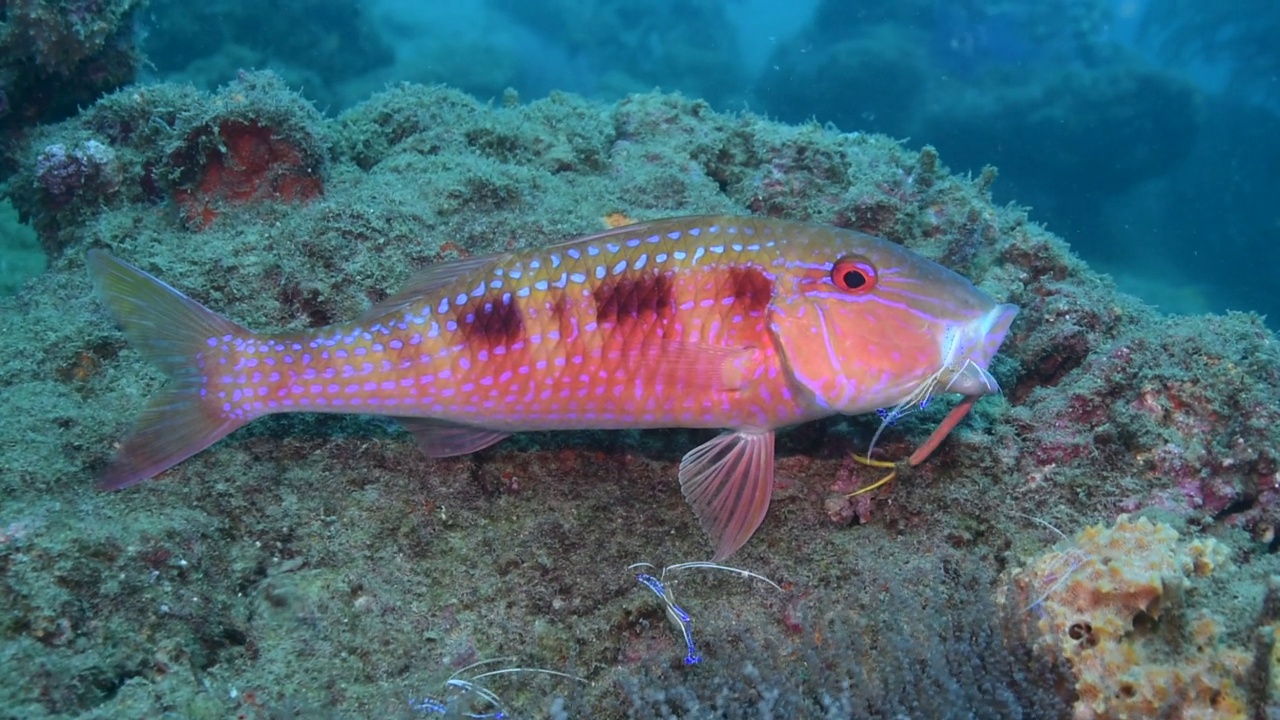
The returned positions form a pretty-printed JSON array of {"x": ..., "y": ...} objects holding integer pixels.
[
  {"x": 650, "y": 227},
  {"x": 428, "y": 281},
  {"x": 432, "y": 278}
]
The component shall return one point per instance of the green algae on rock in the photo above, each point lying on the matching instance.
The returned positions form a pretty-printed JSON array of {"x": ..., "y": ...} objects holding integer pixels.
[{"x": 323, "y": 563}]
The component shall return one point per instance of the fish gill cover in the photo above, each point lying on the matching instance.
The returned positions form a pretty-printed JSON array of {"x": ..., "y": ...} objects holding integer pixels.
[{"x": 322, "y": 567}]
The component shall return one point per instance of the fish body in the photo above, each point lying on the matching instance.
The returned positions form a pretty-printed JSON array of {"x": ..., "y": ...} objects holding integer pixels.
[{"x": 741, "y": 323}]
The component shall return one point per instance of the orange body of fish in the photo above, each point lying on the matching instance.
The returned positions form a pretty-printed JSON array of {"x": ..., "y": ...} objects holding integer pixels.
[{"x": 740, "y": 323}]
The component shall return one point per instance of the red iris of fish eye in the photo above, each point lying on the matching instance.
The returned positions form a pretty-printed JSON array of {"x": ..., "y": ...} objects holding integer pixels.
[{"x": 855, "y": 276}]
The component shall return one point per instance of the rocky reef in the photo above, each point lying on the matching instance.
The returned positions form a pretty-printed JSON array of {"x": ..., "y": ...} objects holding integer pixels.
[
  {"x": 58, "y": 56},
  {"x": 322, "y": 565}
]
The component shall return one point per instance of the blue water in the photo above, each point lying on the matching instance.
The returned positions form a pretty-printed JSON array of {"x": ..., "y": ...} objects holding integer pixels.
[{"x": 1141, "y": 136}]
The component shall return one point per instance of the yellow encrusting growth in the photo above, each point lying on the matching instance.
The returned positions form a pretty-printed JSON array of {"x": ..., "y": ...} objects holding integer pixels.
[
  {"x": 1113, "y": 605},
  {"x": 617, "y": 219}
]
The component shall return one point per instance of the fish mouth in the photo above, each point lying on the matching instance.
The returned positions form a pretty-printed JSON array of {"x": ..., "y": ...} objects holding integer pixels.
[{"x": 969, "y": 350}]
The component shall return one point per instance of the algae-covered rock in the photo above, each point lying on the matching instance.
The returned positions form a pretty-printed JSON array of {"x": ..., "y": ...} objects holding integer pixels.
[
  {"x": 56, "y": 57},
  {"x": 324, "y": 563}
]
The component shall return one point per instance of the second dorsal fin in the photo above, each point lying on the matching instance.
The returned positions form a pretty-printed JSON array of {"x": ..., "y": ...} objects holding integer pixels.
[{"x": 428, "y": 282}]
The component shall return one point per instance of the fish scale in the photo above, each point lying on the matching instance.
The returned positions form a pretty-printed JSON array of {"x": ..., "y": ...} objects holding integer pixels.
[
  {"x": 748, "y": 324},
  {"x": 588, "y": 345}
]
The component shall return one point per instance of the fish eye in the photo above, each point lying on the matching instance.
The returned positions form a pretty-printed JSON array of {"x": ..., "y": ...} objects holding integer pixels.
[{"x": 854, "y": 275}]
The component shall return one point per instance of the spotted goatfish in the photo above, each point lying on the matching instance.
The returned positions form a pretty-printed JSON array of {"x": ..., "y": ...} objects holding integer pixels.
[{"x": 743, "y": 323}]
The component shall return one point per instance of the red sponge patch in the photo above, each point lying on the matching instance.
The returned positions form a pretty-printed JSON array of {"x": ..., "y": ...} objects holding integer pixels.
[{"x": 251, "y": 163}]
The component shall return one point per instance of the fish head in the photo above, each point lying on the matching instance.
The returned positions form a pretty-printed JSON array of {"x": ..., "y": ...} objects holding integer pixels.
[{"x": 863, "y": 324}]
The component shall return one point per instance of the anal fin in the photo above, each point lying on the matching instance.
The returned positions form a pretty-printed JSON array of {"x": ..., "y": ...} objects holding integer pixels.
[
  {"x": 728, "y": 481},
  {"x": 440, "y": 439}
]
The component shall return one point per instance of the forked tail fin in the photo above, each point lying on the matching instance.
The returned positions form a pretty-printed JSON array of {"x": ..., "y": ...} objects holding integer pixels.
[{"x": 173, "y": 332}]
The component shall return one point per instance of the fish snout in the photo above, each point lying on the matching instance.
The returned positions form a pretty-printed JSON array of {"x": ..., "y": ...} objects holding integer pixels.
[{"x": 970, "y": 353}]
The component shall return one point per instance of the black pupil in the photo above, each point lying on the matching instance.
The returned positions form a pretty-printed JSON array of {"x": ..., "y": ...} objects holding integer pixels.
[{"x": 854, "y": 279}]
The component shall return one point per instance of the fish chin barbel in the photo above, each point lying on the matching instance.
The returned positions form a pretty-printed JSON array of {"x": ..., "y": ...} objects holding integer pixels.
[{"x": 964, "y": 371}]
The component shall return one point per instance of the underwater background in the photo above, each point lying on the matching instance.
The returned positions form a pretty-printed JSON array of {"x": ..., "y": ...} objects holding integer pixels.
[{"x": 1098, "y": 542}]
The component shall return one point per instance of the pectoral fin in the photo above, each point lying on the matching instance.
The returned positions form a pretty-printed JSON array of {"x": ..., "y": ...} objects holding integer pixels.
[
  {"x": 714, "y": 367},
  {"x": 728, "y": 482},
  {"x": 440, "y": 439}
]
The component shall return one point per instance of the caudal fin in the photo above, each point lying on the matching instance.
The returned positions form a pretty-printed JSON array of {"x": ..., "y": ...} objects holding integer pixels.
[{"x": 172, "y": 331}]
